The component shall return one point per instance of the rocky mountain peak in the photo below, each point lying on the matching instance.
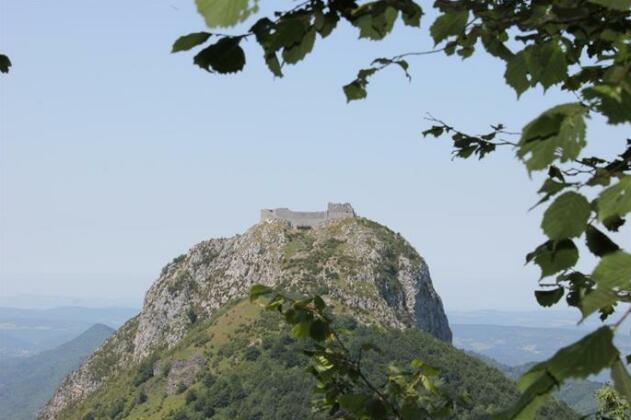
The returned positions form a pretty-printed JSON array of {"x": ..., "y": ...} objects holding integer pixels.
[
  {"x": 359, "y": 263},
  {"x": 355, "y": 262}
]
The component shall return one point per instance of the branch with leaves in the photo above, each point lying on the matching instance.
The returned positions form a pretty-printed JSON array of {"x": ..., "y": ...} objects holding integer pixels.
[
  {"x": 582, "y": 47},
  {"x": 344, "y": 388}
]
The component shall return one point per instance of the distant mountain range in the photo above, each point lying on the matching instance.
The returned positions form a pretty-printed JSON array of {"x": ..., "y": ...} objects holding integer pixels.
[
  {"x": 516, "y": 345},
  {"x": 37, "y": 301},
  {"x": 26, "y": 383},
  {"x": 539, "y": 318},
  {"x": 25, "y": 332}
]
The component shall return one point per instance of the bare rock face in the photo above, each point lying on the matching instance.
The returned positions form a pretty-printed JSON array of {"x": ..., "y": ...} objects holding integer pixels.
[
  {"x": 355, "y": 262},
  {"x": 183, "y": 373}
]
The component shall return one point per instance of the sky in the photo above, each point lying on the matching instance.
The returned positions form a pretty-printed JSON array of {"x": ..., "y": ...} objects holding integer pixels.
[{"x": 116, "y": 156}]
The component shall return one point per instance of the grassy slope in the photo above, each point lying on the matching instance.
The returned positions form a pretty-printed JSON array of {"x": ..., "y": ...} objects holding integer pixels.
[
  {"x": 256, "y": 371},
  {"x": 26, "y": 384}
]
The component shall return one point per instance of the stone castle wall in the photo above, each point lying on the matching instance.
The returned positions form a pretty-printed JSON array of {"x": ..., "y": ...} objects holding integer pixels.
[{"x": 309, "y": 219}]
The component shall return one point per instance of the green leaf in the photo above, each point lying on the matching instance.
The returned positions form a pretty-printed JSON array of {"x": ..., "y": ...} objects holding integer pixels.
[
  {"x": 186, "y": 42},
  {"x": 621, "y": 379},
  {"x": 289, "y": 32},
  {"x": 549, "y": 188},
  {"x": 587, "y": 356},
  {"x": 5, "y": 63},
  {"x": 614, "y": 102},
  {"x": 424, "y": 367},
  {"x": 549, "y": 297},
  {"x": 273, "y": 64},
  {"x": 578, "y": 283},
  {"x": 225, "y": 13},
  {"x": 319, "y": 330},
  {"x": 319, "y": 303},
  {"x": 411, "y": 13},
  {"x": 259, "y": 290},
  {"x": 546, "y": 63},
  {"x": 355, "y": 90},
  {"x": 554, "y": 256},
  {"x": 554, "y": 172},
  {"x": 612, "y": 273},
  {"x": 354, "y": 403},
  {"x": 566, "y": 217},
  {"x": 494, "y": 45},
  {"x": 615, "y": 200},
  {"x": 557, "y": 134},
  {"x": 224, "y": 56},
  {"x": 452, "y": 22},
  {"x": 301, "y": 329},
  {"x": 599, "y": 243},
  {"x": 298, "y": 51},
  {"x": 275, "y": 303},
  {"x": 374, "y": 20},
  {"x": 613, "y": 223},
  {"x": 622, "y": 5},
  {"x": 516, "y": 74},
  {"x": 436, "y": 131},
  {"x": 325, "y": 23},
  {"x": 375, "y": 409}
]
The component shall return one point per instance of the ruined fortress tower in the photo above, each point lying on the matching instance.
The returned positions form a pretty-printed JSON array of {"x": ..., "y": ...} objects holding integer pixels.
[{"x": 309, "y": 219}]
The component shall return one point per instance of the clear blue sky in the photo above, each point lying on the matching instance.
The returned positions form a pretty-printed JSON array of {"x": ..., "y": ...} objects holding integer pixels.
[{"x": 116, "y": 156}]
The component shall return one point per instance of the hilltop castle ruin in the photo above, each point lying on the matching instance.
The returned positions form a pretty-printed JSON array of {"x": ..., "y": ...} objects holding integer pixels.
[{"x": 309, "y": 219}]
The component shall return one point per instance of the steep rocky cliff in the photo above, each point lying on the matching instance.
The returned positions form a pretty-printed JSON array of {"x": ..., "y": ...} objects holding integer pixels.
[{"x": 359, "y": 264}]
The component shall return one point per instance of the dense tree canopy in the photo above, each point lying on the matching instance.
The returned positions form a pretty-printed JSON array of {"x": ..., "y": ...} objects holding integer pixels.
[{"x": 583, "y": 47}]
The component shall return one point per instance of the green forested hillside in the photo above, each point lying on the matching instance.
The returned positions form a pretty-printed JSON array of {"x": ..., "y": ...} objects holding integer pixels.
[
  {"x": 27, "y": 383},
  {"x": 242, "y": 364}
]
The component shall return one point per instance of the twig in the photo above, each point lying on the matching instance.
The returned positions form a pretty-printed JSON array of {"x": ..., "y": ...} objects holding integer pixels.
[
  {"x": 500, "y": 142},
  {"x": 622, "y": 318},
  {"x": 416, "y": 53}
]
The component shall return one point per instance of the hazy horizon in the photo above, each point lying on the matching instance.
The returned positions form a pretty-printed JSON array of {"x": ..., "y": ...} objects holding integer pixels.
[{"x": 115, "y": 156}]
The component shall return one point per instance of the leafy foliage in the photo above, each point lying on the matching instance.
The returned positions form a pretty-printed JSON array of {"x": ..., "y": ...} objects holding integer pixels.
[
  {"x": 580, "y": 47},
  {"x": 615, "y": 201},
  {"x": 612, "y": 405},
  {"x": 612, "y": 275},
  {"x": 357, "y": 88},
  {"x": 5, "y": 63},
  {"x": 345, "y": 388},
  {"x": 557, "y": 134},
  {"x": 224, "y": 56},
  {"x": 186, "y": 42},
  {"x": 566, "y": 217},
  {"x": 451, "y": 23},
  {"x": 225, "y": 13},
  {"x": 554, "y": 256}
]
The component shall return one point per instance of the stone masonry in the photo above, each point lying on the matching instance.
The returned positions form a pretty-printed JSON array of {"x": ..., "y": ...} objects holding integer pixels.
[{"x": 309, "y": 219}]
